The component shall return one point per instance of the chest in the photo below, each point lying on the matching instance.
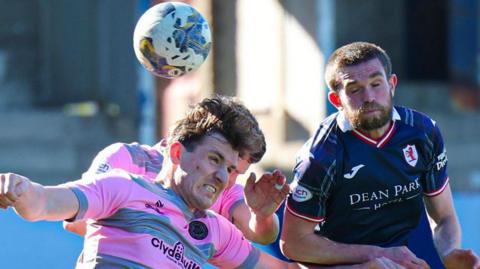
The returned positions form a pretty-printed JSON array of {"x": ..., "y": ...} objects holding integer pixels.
[{"x": 372, "y": 177}]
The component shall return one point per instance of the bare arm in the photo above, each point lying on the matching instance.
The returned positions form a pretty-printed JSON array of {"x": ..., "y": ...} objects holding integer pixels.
[
  {"x": 256, "y": 217},
  {"x": 34, "y": 202},
  {"x": 262, "y": 230},
  {"x": 300, "y": 243},
  {"x": 266, "y": 262},
  {"x": 447, "y": 233}
]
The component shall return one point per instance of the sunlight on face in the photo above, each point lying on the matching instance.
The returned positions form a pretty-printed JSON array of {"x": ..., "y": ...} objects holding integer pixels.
[
  {"x": 366, "y": 95},
  {"x": 204, "y": 172}
]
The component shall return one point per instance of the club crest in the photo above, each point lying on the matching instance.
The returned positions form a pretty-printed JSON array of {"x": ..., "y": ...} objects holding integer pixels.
[
  {"x": 411, "y": 155},
  {"x": 198, "y": 230}
]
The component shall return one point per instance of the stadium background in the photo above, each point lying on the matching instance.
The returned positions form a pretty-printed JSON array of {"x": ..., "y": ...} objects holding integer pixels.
[{"x": 70, "y": 85}]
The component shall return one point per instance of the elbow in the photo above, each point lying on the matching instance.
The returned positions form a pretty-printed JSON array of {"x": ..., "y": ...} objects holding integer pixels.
[
  {"x": 262, "y": 239},
  {"x": 266, "y": 240},
  {"x": 288, "y": 250}
]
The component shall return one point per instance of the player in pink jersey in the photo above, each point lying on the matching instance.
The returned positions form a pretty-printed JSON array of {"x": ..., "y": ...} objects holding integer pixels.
[
  {"x": 162, "y": 224},
  {"x": 255, "y": 216}
]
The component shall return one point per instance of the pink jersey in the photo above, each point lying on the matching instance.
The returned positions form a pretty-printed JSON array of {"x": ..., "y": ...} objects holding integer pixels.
[
  {"x": 140, "y": 224},
  {"x": 147, "y": 161}
]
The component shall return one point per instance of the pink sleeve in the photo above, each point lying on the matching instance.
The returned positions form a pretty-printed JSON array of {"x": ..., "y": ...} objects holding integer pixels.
[
  {"x": 230, "y": 199},
  {"x": 233, "y": 250},
  {"x": 114, "y": 156},
  {"x": 101, "y": 196}
]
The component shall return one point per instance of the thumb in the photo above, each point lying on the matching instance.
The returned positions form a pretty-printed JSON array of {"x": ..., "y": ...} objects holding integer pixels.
[
  {"x": 21, "y": 187},
  {"x": 250, "y": 183}
]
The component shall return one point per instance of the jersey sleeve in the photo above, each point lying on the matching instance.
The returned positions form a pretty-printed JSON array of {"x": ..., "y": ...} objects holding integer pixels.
[
  {"x": 101, "y": 196},
  {"x": 313, "y": 181},
  {"x": 232, "y": 249},
  {"x": 114, "y": 156},
  {"x": 436, "y": 177},
  {"x": 230, "y": 199}
]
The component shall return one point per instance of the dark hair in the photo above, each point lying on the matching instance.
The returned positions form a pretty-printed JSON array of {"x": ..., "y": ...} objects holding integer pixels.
[
  {"x": 353, "y": 54},
  {"x": 225, "y": 116}
]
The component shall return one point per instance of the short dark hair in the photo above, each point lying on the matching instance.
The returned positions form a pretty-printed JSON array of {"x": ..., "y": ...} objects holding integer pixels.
[
  {"x": 353, "y": 54},
  {"x": 225, "y": 116}
]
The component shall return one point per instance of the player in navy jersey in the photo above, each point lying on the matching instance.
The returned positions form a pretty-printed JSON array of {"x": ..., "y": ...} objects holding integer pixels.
[{"x": 363, "y": 181}]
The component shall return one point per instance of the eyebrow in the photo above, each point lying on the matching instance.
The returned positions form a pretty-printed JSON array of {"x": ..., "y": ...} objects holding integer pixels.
[
  {"x": 372, "y": 75},
  {"x": 222, "y": 158},
  {"x": 376, "y": 74}
]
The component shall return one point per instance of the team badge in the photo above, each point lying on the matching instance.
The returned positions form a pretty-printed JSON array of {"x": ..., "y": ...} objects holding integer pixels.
[
  {"x": 411, "y": 155},
  {"x": 198, "y": 230},
  {"x": 301, "y": 194}
]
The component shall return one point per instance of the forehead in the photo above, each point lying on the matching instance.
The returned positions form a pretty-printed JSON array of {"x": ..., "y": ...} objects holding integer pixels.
[
  {"x": 361, "y": 72},
  {"x": 216, "y": 143}
]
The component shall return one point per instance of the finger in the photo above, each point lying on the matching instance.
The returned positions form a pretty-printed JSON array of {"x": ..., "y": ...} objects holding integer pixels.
[
  {"x": 280, "y": 178},
  {"x": 249, "y": 184},
  {"x": 20, "y": 188},
  {"x": 266, "y": 177},
  {"x": 2, "y": 184},
  {"x": 5, "y": 202},
  {"x": 417, "y": 264}
]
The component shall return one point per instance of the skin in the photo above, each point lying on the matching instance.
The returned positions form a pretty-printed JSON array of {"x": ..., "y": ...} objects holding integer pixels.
[
  {"x": 255, "y": 216},
  {"x": 365, "y": 95},
  {"x": 198, "y": 177},
  {"x": 203, "y": 173}
]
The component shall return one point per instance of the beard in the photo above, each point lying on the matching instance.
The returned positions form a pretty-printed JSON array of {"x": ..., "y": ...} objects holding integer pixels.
[{"x": 359, "y": 121}]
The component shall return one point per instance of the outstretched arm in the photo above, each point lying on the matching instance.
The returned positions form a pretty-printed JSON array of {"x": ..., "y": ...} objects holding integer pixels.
[
  {"x": 34, "y": 202},
  {"x": 256, "y": 217},
  {"x": 300, "y": 243},
  {"x": 266, "y": 261},
  {"x": 447, "y": 233}
]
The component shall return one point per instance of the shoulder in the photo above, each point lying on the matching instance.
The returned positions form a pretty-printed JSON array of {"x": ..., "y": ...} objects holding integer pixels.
[
  {"x": 115, "y": 175},
  {"x": 323, "y": 145},
  {"x": 417, "y": 120}
]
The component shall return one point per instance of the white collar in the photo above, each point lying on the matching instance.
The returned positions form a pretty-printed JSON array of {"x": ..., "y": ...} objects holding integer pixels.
[{"x": 345, "y": 125}]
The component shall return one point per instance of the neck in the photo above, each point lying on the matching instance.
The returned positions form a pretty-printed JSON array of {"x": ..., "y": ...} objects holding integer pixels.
[{"x": 379, "y": 132}]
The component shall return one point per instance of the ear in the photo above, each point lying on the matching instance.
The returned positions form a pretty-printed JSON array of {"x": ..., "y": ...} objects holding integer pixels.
[
  {"x": 393, "y": 83},
  {"x": 175, "y": 152},
  {"x": 334, "y": 99}
]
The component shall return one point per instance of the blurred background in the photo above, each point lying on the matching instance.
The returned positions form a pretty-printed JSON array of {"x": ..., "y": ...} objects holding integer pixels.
[{"x": 70, "y": 85}]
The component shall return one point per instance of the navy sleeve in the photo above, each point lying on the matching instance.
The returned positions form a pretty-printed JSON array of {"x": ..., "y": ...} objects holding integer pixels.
[
  {"x": 436, "y": 178},
  {"x": 310, "y": 188}
]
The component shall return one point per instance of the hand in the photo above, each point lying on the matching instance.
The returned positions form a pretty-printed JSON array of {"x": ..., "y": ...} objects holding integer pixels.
[
  {"x": 266, "y": 195},
  {"x": 382, "y": 263},
  {"x": 12, "y": 187},
  {"x": 403, "y": 256},
  {"x": 461, "y": 259}
]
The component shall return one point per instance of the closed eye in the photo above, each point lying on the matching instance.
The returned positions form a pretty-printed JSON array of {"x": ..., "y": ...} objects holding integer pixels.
[{"x": 214, "y": 159}]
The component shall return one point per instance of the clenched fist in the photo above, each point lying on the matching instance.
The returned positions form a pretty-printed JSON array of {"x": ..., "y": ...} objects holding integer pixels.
[{"x": 12, "y": 186}]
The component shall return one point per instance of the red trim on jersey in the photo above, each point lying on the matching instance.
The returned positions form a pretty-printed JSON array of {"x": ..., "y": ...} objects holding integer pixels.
[
  {"x": 376, "y": 142},
  {"x": 311, "y": 219},
  {"x": 437, "y": 192}
]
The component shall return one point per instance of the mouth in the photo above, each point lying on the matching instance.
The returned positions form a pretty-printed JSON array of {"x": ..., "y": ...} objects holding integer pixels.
[{"x": 210, "y": 189}]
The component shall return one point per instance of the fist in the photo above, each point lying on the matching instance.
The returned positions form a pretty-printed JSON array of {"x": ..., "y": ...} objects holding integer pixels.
[{"x": 12, "y": 186}]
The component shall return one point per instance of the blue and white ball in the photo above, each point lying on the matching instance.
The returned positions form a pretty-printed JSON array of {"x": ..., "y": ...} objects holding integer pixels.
[{"x": 171, "y": 39}]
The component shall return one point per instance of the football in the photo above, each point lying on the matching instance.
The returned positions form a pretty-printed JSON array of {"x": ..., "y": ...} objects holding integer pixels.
[{"x": 171, "y": 39}]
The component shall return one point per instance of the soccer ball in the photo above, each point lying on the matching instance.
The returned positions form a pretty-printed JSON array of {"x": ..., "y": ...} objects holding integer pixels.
[{"x": 171, "y": 39}]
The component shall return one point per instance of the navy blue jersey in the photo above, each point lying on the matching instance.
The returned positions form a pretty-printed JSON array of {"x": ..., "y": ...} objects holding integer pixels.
[{"x": 369, "y": 191}]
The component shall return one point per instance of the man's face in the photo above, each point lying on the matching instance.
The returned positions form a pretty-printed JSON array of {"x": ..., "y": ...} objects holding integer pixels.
[
  {"x": 242, "y": 167},
  {"x": 203, "y": 173},
  {"x": 366, "y": 95}
]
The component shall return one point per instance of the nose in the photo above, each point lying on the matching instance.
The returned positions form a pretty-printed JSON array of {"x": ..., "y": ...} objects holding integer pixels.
[
  {"x": 222, "y": 175},
  {"x": 368, "y": 95}
]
